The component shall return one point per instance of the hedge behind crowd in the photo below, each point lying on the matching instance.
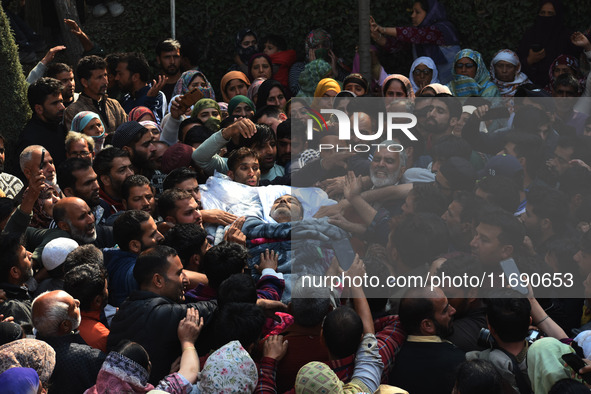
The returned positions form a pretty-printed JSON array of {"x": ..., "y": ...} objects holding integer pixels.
[
  {"x": 484, "y": 25},
  {"x": 13, "y": 90}
]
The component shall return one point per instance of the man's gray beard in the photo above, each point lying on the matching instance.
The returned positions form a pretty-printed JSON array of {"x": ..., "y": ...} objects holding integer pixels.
[
  {"x": 53, "y": 182},
  {"x": 75, "y": 322},
  {"x": 80, "y": 236},
  {"x": 392, "y": 179}
]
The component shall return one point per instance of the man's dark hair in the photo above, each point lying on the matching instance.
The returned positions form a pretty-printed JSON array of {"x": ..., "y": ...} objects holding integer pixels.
[
  {"x": 65, "y": 171},
  {"x": 530, "y": 147},
  {"x": 187, "y": 239},
  {"x": 272, "y": 111},
  {"x": 112, "y": 61},
  {"x": 420, "y": 238},
  {"x": 178, "y": 175},
  {"x": 568, "y": 386},
  {"x": 284, "y": 129},
  {"x": 566, "y": 79},
  {"x": 88, "y": 64},
  {"x": 239, "y": 321},
  {"x": 529, "y": 119},
  {"x": 502, "y": 191},
  {"x": 478, "y": 377},
  {"x": 223, "y": 260},
  {"x": 580, "y": 144},
  {"x": 9, "y": 247},
  {"x": 508, "y": 314},
  {"x": 238, "y": 155},
  {"x": 263, "y": 135},
  {"x": 458, "y": 266},
  {"x": 7, "y": 205},
  {"x": 414, "y": 308},
  {"x": 82, "y": 255},
  {"x": 167, "y": 45},
  {"x": 429, "y": 199},
  {"x": 548, "y": 203},
  {"x": 150, "y": 262},
  {"x": 471, "y": 206},
  {"x": 189, "y": 120},
  {"x": 452, "y": 103},
  {"x": 237, "y": 288},
  {"x": 137, "y": 63},
  {"x": 342, "y": 330},
  {"x": 103, "y": 161},
  {"x": 168, "y": 199},
  {"x": 132, "y": 181},
  {"x": 128, "y": 227},
  {"x": 84, "y": 283},
  {"x": 449, "y": 146},
  {"x": 39, "y": 90},
  {"x": 276, "y": 40},
  {"x": 512, "y": 231},
  {"x": 53, "y": 69}
]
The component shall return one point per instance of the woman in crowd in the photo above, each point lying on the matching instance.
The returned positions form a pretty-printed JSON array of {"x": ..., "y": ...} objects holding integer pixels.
[
  {"x": 423, "y": 72},
  {"x": 470, "y": 76},
  {"x": 505, "y": 72},
  {"x": 245, "y": 44},
  {"x": 90, "y": 123},
  {"x": 544, "y": 41},
  {"x": 357, "y": 84},
  {"x": 209, "y": 114},
  {"x": 253, "y": 90},
  {"x": 271, "y": 92},
  {"x": 431, "y": 34},
  {"x": 241, "y": 107},
  {"x": 260, "y": 66},
  {"x": 193, "y": 79},
  {"x": 397, "y": 86},
  {"x": 561, "y": 65},
  {"x": 140, "y": 114},
  {"x": 233, "y": 84}
]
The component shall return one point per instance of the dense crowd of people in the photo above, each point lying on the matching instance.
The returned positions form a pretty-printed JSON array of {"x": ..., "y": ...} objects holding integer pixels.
[{"x": 159, "y": 238}]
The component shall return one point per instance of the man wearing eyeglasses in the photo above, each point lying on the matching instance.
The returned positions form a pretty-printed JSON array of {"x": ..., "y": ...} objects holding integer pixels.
[{"x": 79, "y": 145}]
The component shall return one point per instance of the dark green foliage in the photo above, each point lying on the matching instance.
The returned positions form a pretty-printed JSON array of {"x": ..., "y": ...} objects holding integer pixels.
[
  {"x": 13, "y": 90},
  {"x": 483, "y": 25}
]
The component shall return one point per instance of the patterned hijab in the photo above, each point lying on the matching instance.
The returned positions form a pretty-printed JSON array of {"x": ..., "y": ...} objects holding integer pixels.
[
  {"x": 81, "y": 120},
  {"x": 313, "y": 72},
  {"x": 182, "y": 85},
  {"x": 480, "y": 85},
  {"x": 137, "y": 112},
  {"x": 573, "y": 63},
  {"x": 410, "y": 93},
  {"x": 29, "y": 353},
  {"x": 120, "y": 374},
  {"x": 229, "y": 370},
  {"x": 427, "y": 61},
  {"x": 317, "y": 377},
  {"x": 203, "y": 104},
  {"x": 508, "y": 89},
  {"x": 253, "y": 90}
]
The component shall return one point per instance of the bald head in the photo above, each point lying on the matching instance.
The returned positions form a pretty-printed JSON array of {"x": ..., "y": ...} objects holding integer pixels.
[
  {"x": 73, "y": 215},
  {"x": 55, "y": 313}
]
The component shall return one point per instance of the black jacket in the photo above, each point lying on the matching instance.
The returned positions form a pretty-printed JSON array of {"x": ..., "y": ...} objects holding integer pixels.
[{"x": 152, "y": 321}]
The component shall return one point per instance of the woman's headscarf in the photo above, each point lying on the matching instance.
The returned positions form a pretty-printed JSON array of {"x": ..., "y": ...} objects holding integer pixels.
[
  {"x": 29, "y": 353},
  {"x": 237, "y": 100},
  {"x": 19, "y": 381},
  {"x": 573, "y": 63},
  {"x": 265, "y": 89},
  {"x": 81, "y": 120},
  {"x": 410, "y": 93},
  {"x": 508, "y": 89},
  {"x": 318, "y": 38},
  {"x": 480, "y": 85},
  {"x": 427, "y": 61},
  {"x": 203, "y": 104},
  {"x": 317, "y": 377},
  {"x": 437, "y": 18},
  {"x": 150, "y": 123},
  {"x": 244, "y": 53},
  {"x": 229, "y": 370},
  {"x": 230, "y": 76},
  {"x": 120, "y": 374},
  {"x": 253, "y": 89},
  {"x": 358, "y": 79},
  {"x": 313, "y": 72},
  {"x": 256, "y": 56},
  {"x": 42, "y": 219},
  {"x": 137, "y": 112},
  {"x": 182, "y": 85},
  {"x": 325, "y": 85},
  {"x": 545, "y": 365},
  {"x": 438, "y": 88}
]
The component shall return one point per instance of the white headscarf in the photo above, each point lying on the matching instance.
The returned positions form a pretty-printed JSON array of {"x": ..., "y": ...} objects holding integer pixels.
[
  {"x": 427, "y": 61},
  {"x": 507, "y": 89}
]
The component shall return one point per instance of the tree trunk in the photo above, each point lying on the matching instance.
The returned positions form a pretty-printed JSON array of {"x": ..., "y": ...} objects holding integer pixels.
[
  {"x": 66, "y": 9},
  {"x": 364, "y": 40}
]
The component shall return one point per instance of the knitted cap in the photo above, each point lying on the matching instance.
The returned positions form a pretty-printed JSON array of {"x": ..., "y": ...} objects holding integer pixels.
[
  {"x": 125, "y": 133},
  {"x": 56, "y": 251},
  {"x": 176, "y": 156}
]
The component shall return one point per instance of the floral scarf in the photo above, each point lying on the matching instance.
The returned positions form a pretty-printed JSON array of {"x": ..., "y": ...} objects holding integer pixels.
[
  {"x": 480, "y": 85},
  {"x": 508, "y": 89},
  {"x": 229, "y": 370}
]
